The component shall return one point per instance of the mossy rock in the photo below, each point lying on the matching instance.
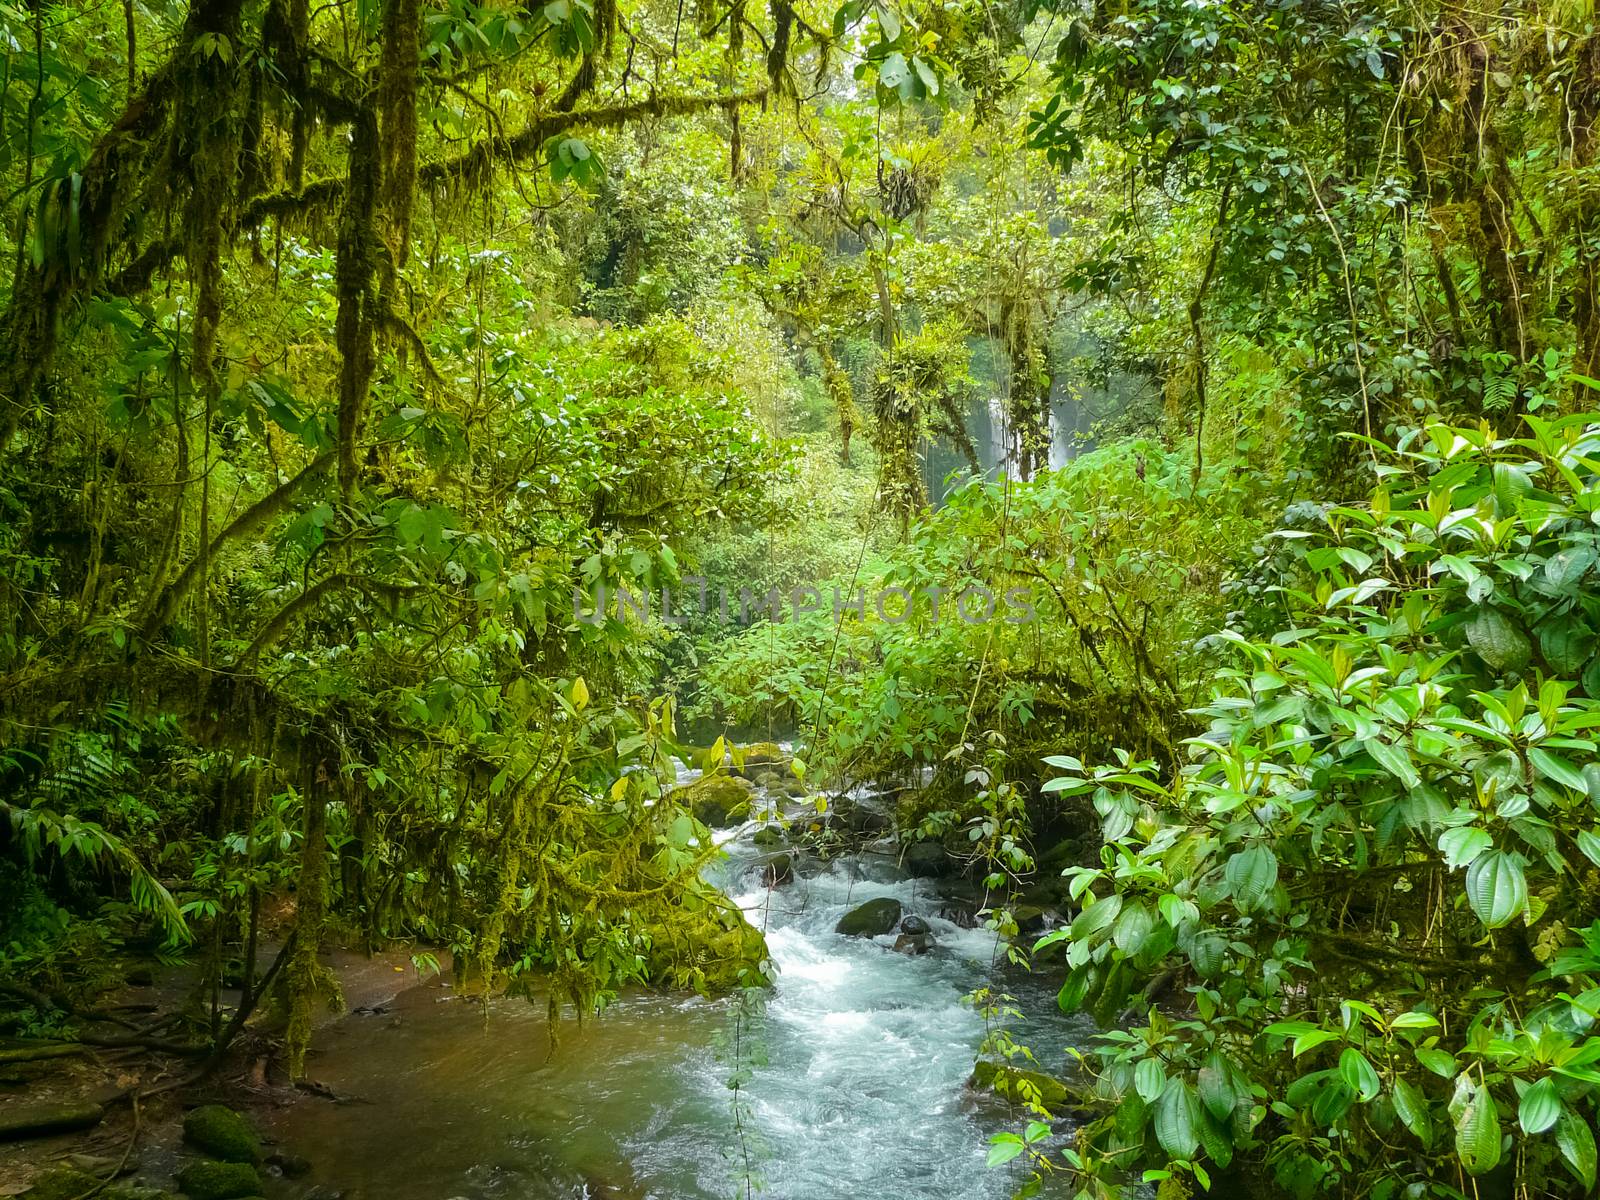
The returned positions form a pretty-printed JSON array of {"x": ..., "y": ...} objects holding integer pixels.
[
  {"x": 759, "y": 755},
  {"x": 1017, "y": 1084},
  {"x": 222, "y": 1133},
  {"x": 210, "y": 1180},
  {"x": 715, "y": 800},
  {"x": 19, "y": 1121},
  {"x": 69, "y": 1183},
  {"x": 768, "y": 836},
  {"x": 870, "y": 919},
  {"x": 735, "y": 957}
]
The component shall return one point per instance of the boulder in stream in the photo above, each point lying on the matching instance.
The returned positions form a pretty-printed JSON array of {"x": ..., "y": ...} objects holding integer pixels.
[
  {"x": 210, "y": 1180},
  {"x": 715, "y": 800},
  {"x": 926, "y": 860},
  {"x": 915, "y": 926},
  {"x": 758, "y": 755},
  {"x": 777, "y": 869},
  {"x": 1016, "y": 1084},
  {"x": 870, "y": 919},
  {"x": 222, "y": 1133},
  {"x": 913, "y": 943}
]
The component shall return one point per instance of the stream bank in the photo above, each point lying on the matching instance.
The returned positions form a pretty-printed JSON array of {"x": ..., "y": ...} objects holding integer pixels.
[{"x": 853, "y": 1068}]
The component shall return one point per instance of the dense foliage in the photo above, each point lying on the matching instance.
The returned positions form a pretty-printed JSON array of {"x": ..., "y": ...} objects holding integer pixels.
[{"x": 361, "y": 363}]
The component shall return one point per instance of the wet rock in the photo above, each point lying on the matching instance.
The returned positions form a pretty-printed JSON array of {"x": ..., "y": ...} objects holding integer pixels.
[
  {"x": 1017, "y": 1085},
  {"x": 210, "y": 1180},
  {"x": 861, "y": 818},
  {"x": 715, "y": 800},
  {"x": 761, "y": 754},
  {"x": 915, "y": 925},
  {"x": 1030, "y": 918},
  {"x": 768, "y": 779},
  {"x": 319, "y": 1192},
  {"x": 290, "y": 1166},
  {"x": 870, "y": 919},
  {"x": 777, "y": 869},
  {"x": 768, "y": 836},
  {"x": 913, "y": 943},
  {"x": 18, "y": 1121},
  {"x": 221, "y": 1133},
  {"x": 960, "y": 911},
  {"x": 926, "y": 860}
]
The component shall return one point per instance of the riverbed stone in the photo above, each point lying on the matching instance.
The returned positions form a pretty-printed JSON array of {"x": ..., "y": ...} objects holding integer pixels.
[
  {"x": 913, "y": 943},
  {"x": 290, "y": 1166},
  {"x": 758, "y": 755},
  {"x": 1016, "y": 1083},
  {"x": 19, "y": 1121},
  {"x": 926, "y": 860},
  {"x": 715, "y": 800},
  {"x": 862, "y": 818},
  {"x": 210, "y": 1180},
  {"x": 222, "y": 1133},
  {"x": 777, "y": 869},
  {"x": 768, "y": 836},
  {"x": 870, "y": 919},
  {"x": 915, "y": 925}
]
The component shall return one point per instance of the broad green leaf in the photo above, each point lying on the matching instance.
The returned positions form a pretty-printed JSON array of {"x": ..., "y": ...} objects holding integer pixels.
[
  {"x": 1177, "y": 1121},
  {"x": 1251, "y": 874},
  {"x": 1440, "y": 1062},
  {"x": 1359, "y": 1074},
  {"x": 1003, "y": 1148},
  {"x": 1478, "y": 1133},
  {"x": 1412, "y": 1108},
  {"x": 1463, "y": 844},
  {"x": 1497, "y": 889},
  {"x": 1576, "y": 1143},
  {"x": 1149, "y": 1079},
  {"x": 1541, "y": 1105}
]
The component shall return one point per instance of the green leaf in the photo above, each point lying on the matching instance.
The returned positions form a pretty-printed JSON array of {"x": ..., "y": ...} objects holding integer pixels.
[
  {"x": 1003, "y": 1147},
  {"x": 889, "y": 22},
  {"x": 1576, "y": 1143},
  {"x": 1463, "y": 844},
  {"x": 1393, "y": 759},
  {"x": 1414, "y": 1020},
  {"x": 1412, "y": 1108},
  {"x": 1541, "y": 1105},
  {"x": 1478, "y": 1133},
  {"x": 1149, "y": 1079},
  {"x": 1097, "y": 918},
  {"x": 1216, "y": 1086},
  {"x": 1589, "y": 843},
  {"x": 1552, "y": 766},
  {"x": 1178, "y": 1120},
  {"x": 1132, "y": 928},
  {"x": 1313, "y": 1038},
  {"x": 1359, "y": 1074},
  {"x": 1251, "y": 875},
  {"x": 1440, "y": 1062},
  {"x": 1497, "y": 889}
]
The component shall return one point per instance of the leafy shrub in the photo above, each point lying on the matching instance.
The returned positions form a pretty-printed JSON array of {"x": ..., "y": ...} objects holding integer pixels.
[{"x": 1371, "y": 893}]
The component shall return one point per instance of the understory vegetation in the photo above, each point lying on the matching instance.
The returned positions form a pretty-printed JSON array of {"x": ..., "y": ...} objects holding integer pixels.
[{"x": 1159, "y": 440}]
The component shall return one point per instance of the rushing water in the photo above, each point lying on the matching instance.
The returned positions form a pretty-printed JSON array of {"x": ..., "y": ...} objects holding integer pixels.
[{"x": 858, "y": 1061}]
